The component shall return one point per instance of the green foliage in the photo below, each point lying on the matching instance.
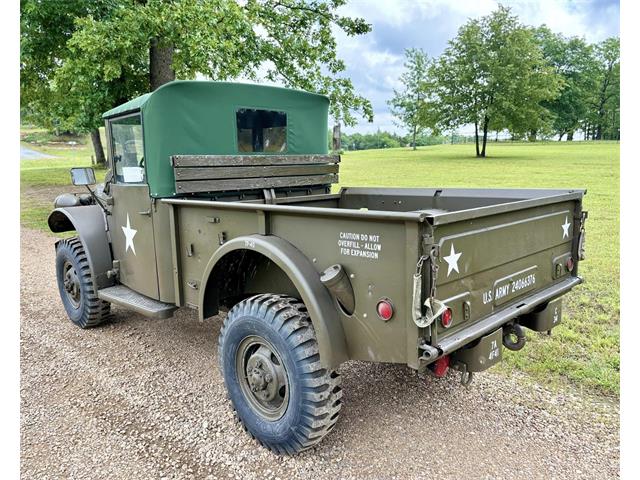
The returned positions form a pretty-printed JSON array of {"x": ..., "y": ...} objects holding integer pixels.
[
  {"x": 45, "y": 29},
  {"x": 411, "y": 105},
  {"x": 605, "y": 116},
  {"x": 382, "y": 139},
  {"x": 98, "y": 53},
  {"x": 572, "y": 59},
  {"x": 493, "y": 75}
]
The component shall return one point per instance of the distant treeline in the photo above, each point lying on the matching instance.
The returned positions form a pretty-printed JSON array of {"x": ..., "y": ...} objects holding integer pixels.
[{"x": 383, "y": 139}]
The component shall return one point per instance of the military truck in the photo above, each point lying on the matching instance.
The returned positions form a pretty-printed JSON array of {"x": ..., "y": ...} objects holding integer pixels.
[{"x": 219, "y": 198}]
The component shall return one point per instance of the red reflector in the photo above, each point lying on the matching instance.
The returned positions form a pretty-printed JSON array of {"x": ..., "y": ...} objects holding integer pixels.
[
  {"x": 441, "y": 366},
  {"x": 570, "y": 264},
  {"x": 385, "y": 310},
  {"x": 446, "y": 318}
]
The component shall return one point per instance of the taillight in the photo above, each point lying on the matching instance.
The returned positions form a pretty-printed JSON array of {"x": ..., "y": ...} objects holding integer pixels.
[
  {"x": 384, "y": 310},
  {"x": 446, "y": 318}
]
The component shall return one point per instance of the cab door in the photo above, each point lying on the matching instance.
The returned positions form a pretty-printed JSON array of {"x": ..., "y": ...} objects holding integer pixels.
[{"x": 131, "y": 221}]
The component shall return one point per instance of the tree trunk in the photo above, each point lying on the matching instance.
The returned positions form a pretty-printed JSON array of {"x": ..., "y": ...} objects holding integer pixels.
[
  {"x": 160, "y": 64},
  {"x": 598, "y": 132},
  {"x": 570, "y": 136},
  {"x": 485, "y": 129},
  {"x": 560, "y": 136},
  {"x": 336, "y": 140},
  {"x": 97, "y": 147},
  {"x": 601, "y": 104},
  {"x": 414, "y": 137},
  {"x": 475, "y": 124},
  {"x": 533, "y": 135}
]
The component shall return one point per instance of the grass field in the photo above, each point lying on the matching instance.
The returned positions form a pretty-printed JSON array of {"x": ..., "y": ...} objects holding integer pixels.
[{"x": 584, "y": 349}]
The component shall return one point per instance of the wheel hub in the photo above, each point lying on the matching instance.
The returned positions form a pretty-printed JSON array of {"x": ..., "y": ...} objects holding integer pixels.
[
  {"x": 263, "y": 377},
  {"x": 71, "y": 284}
]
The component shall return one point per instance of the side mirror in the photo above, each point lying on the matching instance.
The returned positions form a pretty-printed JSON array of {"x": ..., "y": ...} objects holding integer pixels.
[{"x": 83, "y": 176}]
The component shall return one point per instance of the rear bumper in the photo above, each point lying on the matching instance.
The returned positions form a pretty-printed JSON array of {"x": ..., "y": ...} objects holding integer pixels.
[{"x": 492, "y": 322}]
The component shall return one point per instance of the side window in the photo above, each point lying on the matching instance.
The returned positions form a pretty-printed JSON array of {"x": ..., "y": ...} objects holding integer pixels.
[
  {"x": 261, "y": 130},
  {"x": 127, "y": 149}
]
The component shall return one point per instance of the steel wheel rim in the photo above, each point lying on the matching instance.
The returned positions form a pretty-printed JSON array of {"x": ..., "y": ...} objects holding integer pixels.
[
  {"x": 71, "y": 284},
  {"x": 263, "y": 378}
]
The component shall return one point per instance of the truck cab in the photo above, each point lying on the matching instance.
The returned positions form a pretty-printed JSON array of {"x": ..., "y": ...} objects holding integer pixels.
[{"x": 196, "y": 118}]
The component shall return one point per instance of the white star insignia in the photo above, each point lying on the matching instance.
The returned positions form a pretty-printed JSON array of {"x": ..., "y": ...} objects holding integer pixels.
[
  {"x": 129, "y": 233},
  {"x": 565, "y": 227},
  {"x": 452, "y": 260}
]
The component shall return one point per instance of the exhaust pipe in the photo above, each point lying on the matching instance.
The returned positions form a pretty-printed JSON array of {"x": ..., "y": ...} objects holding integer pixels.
[{"x": 338, "y": 283}]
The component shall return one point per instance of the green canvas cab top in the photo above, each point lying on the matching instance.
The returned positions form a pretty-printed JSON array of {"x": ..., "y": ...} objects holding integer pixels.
[{"x": 216, "y": 118}]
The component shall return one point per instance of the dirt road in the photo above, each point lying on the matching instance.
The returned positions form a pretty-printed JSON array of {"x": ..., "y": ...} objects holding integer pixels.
[{"x": 143, "y": 399}]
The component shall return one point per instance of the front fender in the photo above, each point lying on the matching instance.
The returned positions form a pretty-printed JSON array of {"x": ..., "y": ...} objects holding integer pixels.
[
  {"x": 90, "y": 223},
  {"x": 305, "y": 278}
]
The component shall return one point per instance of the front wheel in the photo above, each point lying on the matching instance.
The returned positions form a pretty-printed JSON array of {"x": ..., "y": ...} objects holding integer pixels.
[
  {"x": 76, "y": 287},
  {"x": 270, "y": 361}
]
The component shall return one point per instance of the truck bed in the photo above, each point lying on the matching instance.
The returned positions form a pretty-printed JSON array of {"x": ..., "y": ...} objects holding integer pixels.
[{"x": 497, "y": 253}]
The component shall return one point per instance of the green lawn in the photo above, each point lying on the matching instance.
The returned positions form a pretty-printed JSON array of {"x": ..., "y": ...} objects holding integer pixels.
[
  {"x": 41, "y": 180},
  {"x": 584, "y": 349}
]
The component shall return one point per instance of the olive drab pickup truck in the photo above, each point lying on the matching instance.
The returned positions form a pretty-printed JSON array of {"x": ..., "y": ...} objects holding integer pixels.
[{"x": 219, "y": 199}]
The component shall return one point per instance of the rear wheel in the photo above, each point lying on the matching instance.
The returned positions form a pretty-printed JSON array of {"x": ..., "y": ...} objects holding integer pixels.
[
  {"x": 270, "y": 361},
  {"x": 77, "y": 291}
]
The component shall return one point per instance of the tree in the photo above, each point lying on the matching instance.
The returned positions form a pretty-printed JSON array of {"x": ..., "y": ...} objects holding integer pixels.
[
  {"x": 138, "y": 45},
  {"x": 606, "y": 102},
  {"x": 45, "y": 29},
  {"x": 493, "y": 75},
  {"x": 410, "y": 105},
  {"x": 573, "y": 59}
]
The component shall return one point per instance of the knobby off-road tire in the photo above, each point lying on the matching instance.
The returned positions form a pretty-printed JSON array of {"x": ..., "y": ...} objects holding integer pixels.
[
  {"x": 270, "y": 361},
  {"x": 77, "y": 291}
]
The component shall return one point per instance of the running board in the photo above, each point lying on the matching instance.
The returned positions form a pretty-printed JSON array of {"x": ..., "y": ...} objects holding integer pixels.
[{"x": 131, "y": 300}]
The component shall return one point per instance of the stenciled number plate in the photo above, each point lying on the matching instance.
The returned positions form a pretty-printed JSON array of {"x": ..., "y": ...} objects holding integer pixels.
[{"x": 514, "y": 285}]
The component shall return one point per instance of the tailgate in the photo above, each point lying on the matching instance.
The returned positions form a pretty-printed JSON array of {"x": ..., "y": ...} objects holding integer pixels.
[{"x": 500, "y": 262}]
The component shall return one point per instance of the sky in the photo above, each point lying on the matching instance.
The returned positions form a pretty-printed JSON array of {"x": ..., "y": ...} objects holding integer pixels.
[{"x": 375, "y": 60}]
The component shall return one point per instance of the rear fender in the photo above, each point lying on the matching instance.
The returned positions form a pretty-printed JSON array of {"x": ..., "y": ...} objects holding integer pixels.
[
  {"x": 305, "y": 278},
  {"x": 90, "y": 224}
]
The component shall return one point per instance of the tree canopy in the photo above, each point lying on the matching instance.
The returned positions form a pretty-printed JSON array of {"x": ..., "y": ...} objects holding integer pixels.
[
  {"x": 98, "y": 54},
  {"x": 411, "y": 105},
  {"x": 493, "y": 75}
]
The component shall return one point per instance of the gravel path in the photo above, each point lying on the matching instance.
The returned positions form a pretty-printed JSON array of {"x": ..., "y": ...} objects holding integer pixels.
[{"x": 143, "y": 399}]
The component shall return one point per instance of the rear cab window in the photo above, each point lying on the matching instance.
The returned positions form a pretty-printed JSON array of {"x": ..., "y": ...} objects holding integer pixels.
[
  {"x": 261, "y": 130},
  {"x": 127, "y": 149}
]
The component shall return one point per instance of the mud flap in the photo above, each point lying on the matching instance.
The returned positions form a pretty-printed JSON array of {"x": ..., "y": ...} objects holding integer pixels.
[
  {"x": 545, "y": 319},
  {"x": 479, "y": 355}
]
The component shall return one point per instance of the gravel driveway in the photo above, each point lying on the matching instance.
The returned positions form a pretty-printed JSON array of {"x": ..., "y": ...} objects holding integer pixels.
[{"x": 143, "y": 399}]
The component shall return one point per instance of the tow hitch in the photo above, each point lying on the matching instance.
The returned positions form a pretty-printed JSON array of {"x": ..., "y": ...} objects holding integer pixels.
[{"x": 508, "y": 334}]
